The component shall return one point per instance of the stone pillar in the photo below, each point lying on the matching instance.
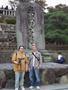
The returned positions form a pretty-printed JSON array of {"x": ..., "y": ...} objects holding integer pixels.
[
  {"x": 6, "y": 12},
  {"x": 3, "y": 12},
  {"x": 18, "y": 31},
  {"x": 14, "y": 13},
  {"x": 39, "y": 27},
  {"x": 22, "y": 25},
  {"x": 9, "y": 13}
]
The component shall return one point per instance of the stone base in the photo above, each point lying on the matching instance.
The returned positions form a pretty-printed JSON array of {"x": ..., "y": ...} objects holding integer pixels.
[{"x": 50, "y": 73}]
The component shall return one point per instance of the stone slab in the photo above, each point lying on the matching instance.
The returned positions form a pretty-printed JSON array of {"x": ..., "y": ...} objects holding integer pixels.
[
  {"x": 51, "y": 65},
  {"x": 49, "y": 87}
]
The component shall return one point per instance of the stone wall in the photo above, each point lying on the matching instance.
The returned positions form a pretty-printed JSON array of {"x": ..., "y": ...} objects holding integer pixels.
[
  {"x": 8, "y": 42},
  {"x": 7, "y": 37}
]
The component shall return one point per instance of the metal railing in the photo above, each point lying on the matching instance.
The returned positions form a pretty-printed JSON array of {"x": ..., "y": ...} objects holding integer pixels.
[{"x": 8, "y": 12}]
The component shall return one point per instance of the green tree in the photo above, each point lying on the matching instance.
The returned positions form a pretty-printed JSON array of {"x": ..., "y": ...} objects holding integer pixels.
[{"x": 56, "y": 24}]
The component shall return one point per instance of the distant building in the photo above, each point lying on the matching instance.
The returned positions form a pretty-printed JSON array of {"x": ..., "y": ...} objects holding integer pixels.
[{"x": 7, "y": 12}]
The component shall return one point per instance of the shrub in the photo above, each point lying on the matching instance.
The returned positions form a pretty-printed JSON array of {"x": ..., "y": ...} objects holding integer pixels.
[{"x": 10, "y": 21}]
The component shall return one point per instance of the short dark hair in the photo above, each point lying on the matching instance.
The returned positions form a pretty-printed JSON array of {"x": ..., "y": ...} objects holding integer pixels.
[{"x": 20, "y": 46}]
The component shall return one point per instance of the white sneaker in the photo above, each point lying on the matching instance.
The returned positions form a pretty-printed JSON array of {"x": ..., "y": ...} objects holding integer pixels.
[
  {"x": 16, "y": 88},
  {"x": 38, "y": 87},
  {"x": 31, "y": 87},
  {"x": 22, "y": 88}
]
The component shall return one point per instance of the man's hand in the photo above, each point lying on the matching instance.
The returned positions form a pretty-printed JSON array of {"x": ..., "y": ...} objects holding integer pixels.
[
  {"x": 15, "y": 62},
  {"x": 37, "y": 66}
]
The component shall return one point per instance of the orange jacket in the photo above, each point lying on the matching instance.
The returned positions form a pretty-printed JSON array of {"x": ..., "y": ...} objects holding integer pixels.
[{"x": 22, "y": 66}]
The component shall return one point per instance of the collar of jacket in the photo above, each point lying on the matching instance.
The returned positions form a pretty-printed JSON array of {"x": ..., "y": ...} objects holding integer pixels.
[{"x": 20, "y": 52}]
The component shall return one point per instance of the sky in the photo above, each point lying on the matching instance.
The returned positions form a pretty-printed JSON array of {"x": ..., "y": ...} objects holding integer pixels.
[
  {"x": 49, "y": 2},
  {"x": 56, "y": 2}
]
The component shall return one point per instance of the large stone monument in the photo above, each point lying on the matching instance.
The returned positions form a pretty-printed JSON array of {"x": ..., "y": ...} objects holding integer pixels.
[{"x": 30, "y": 24}]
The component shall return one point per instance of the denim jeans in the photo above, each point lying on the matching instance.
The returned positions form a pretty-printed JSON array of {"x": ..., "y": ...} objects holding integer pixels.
[
  {"x": 34, "y": 74},
  {"x": 19, "y": 79}
]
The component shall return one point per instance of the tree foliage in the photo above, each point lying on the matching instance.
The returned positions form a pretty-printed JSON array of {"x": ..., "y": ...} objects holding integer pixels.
[{"x": 56, "y": 24}]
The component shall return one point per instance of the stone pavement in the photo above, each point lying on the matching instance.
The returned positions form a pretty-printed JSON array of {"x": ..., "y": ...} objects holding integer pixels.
[{"x": 49, "y": 87}]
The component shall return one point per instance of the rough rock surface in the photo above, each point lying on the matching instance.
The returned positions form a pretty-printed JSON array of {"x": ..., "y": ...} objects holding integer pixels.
[
  {"x": 3, "y": 79},
  {"x": 50, "y": 73}
]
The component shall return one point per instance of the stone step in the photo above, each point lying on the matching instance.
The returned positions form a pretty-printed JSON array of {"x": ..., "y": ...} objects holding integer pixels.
[
  {"x": 56, "y": 87},
  {"x": 49, "y": 87}
]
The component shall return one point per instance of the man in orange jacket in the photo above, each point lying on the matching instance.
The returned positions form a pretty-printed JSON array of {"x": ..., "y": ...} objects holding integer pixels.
[{"x": 20, "y": 63}]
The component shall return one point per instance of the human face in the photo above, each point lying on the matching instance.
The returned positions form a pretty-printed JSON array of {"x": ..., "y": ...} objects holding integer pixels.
[
  {"x": 34, "y": 48},
  {"x": 21, "y": 49}
]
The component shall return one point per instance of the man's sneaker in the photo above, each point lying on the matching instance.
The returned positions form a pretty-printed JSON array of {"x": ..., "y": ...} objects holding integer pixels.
[
  {"x": 16, "y": 88},
  {"x": 31, "y": 87},
  {"x": 38, "y": 87},
  {"x": 22, "y": 88}
]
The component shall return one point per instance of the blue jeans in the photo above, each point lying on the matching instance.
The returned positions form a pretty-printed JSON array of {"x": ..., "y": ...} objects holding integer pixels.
[
  {"x": 19, "y": 79},
  {"x": 34, "y": 76}
]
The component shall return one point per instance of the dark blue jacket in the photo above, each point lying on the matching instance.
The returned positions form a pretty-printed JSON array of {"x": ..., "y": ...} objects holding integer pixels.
[{"x": 61, "y": 61}]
